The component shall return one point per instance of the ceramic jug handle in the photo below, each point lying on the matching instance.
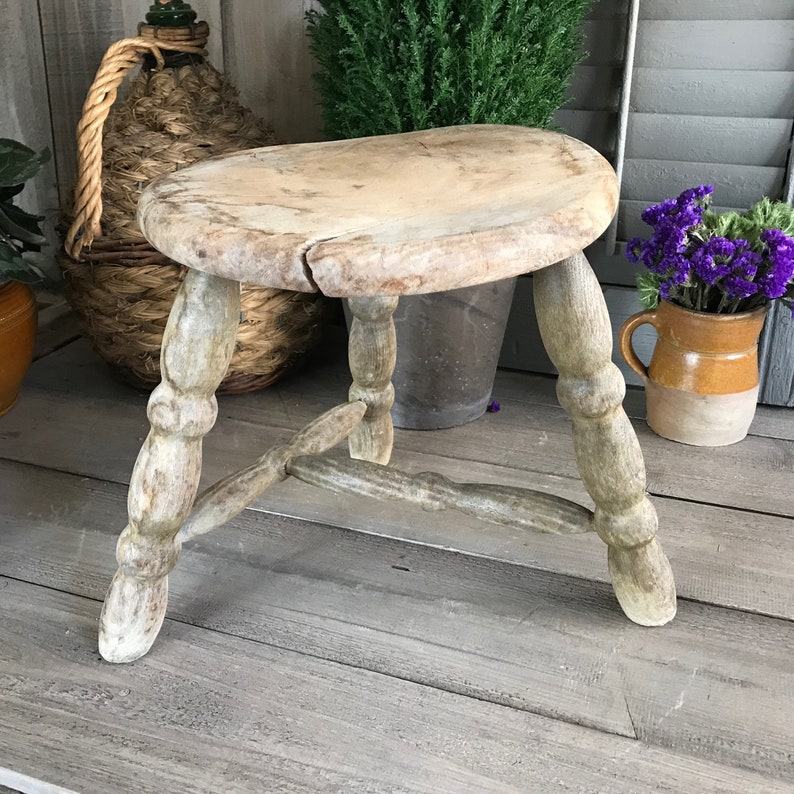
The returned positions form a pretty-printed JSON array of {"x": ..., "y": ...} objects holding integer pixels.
[{"x": 624, "y": 340}]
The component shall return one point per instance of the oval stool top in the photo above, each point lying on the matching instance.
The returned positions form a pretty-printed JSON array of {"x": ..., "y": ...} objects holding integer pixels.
[{"x": 388, "y": 215}]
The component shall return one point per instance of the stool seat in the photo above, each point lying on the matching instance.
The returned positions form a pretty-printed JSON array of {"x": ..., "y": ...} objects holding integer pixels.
[{"x": 389, "y": 215}]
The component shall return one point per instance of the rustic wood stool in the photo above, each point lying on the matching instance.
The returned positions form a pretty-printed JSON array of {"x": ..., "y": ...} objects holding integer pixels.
[{"x": 369, "y": 220}]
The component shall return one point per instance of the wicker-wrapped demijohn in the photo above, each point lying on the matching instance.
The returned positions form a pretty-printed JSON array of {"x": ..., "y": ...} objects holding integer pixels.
[{"x": 178, "y": 110}]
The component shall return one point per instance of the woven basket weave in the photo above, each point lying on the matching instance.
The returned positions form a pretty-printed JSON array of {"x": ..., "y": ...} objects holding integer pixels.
[{"x": 120, "y": 287}]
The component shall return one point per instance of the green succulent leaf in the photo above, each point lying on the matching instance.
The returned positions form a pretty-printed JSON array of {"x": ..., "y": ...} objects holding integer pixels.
[
  {"x": 18, "y": 163},
  {"x": 13, "y": 267},
  {"x": 20, "y": 225},
  {"x": 7, "y": 193}
]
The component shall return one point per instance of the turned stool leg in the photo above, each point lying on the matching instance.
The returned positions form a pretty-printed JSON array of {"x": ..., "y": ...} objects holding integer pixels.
[
  {"x": 575, "y": 328},
  {"x": 197, "y": 346},
  {"x": 372, "y": 352}
]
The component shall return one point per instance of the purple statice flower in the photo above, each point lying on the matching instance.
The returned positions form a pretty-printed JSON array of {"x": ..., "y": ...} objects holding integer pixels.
[
  {"x": 713, "y": 259},
  {"x": 694, "y": 195},
  {"x": 673, "y": 239},
  {"x": 697, "y": 267},
  {"x": 738, "y": 287},
  {"x": 683, "y": 211},
  {"x": 740, "y": 283},
  {"x": 746, "y": 262},
  {"x": 779, "y": 252},
  {"x": 633, "y": 249},
  {"x": 654, "y": 214}
]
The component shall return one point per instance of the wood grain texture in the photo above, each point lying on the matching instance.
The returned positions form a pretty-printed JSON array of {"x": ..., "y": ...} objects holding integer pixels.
[
  {"x": 25, "y": 784},
  {"x": 57, "y": 325},
  {"x": 372, "y": 355},
  {"x": 541, "y": 643},
  {"x": 774, "y": 358},
  {"x": 232, "y": 494},
  {"x": 216, "y": 712},
  {"x": 197, "y": 346},
  {"x": 521, "y": 508},
  {"x": 574, "y": 326},
  {"x": 267, "y": 57},
  {"x": 385, "y": 215},
  {"x": 723, "y": 555}
]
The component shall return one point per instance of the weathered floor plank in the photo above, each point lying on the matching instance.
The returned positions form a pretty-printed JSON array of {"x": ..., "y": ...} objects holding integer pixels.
[
  {"x": 732, "y": 557},
  {"x": 533, "y": 437},
  {"x": 348, "y": 636},
  {"x": 717, "y": 683},
  {"x": 209, "y": 711}
]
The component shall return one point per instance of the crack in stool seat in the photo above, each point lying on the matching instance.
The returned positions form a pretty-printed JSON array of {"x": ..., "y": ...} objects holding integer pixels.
[{"x": 369, "y": 220}]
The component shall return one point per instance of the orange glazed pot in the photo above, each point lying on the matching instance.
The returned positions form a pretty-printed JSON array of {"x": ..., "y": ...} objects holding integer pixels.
[
  {"x": 701, "y": 386},
  {"x": 17, "y": 337}
]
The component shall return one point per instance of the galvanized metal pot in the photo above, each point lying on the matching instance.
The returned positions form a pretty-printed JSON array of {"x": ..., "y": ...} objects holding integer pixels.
[{"x": 448, "y": 346}]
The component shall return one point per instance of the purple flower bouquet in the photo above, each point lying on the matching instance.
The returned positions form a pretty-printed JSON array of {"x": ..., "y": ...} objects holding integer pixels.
[{"x": 722, "y": 263}]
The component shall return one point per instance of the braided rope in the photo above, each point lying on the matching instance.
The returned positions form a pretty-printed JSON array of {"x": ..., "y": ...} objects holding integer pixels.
[{"x": 120, "y": 58}]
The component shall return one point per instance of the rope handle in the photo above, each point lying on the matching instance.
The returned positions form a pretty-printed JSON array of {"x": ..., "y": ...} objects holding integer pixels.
[{"x": 120, "y": 58}]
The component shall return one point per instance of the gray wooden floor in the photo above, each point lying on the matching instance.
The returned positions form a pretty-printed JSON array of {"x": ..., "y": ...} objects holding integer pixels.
[{"x": 329, "y": 644}]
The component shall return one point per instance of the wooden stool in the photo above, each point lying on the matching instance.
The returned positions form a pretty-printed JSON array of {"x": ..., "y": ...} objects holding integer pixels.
[{"x": 369, "y": 220}]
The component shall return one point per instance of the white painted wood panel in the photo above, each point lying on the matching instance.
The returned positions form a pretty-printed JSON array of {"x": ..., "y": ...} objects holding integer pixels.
[
  {"x": 75, "y": 36},
  {"x": 711, "y": 92},
  {"x": 709, "y": 139},
  {"x": 747, "y": 44},
  {"x": 603, "y": 42},
  {"x": 776, "y": 358},
  {"x": 734, "y": 185},
  {"x": 594, "y": 87},
  {"x": 715, "y": 9},
  {"x": 704, "y": 139},
  {"x": 697, "y": 9}
]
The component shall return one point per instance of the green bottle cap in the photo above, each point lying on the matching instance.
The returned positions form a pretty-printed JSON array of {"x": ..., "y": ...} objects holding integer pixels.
[{"x": 171, "y": 14}]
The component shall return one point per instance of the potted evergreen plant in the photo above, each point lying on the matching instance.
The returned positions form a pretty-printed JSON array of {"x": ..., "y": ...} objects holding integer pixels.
[
  {"x": 390, "y": 66},
  {"x": 20, "y": 242}
]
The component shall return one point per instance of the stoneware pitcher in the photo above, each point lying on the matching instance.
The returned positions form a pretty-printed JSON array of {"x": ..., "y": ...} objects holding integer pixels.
[{"x": 701, "y": 386}]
